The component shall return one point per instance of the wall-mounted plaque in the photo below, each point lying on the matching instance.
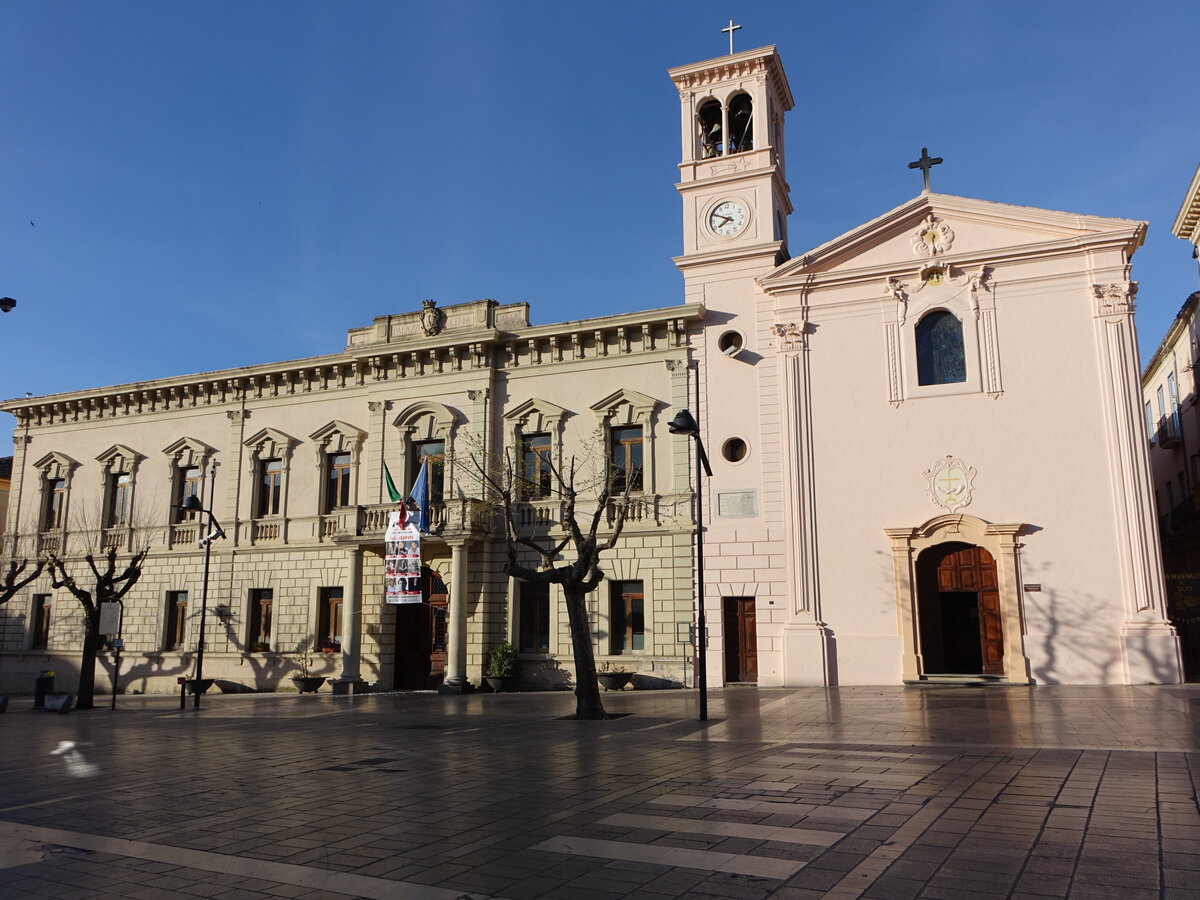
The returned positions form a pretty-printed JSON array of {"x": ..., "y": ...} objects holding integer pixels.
[{"x": 737, "y": 504}]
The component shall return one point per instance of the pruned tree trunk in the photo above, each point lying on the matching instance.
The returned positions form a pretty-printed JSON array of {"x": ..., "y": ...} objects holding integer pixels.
[
  {"x": 87, "y": 670},
  {"x": 587, "y": 690}
]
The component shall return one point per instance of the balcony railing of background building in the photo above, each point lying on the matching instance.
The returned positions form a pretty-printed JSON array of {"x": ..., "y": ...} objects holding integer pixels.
[{"x": 1168, "y": 434}]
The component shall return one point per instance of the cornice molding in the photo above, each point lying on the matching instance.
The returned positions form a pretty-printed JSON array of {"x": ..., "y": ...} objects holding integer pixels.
[
  {"x": 1187, "y": 222},
  {"x": 340, "y": 371}
]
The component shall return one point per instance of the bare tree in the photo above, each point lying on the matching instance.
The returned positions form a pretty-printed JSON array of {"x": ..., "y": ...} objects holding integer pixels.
[
  {"x": 578, "y": 576},
  {"x": 15, "y": 578},
  {"x": 108, "y": 564},
  {"x": 104, "y": 581}
]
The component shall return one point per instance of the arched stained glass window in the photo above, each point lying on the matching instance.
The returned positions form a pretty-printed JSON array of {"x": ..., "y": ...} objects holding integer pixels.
[{"x": 940, "y": 356}]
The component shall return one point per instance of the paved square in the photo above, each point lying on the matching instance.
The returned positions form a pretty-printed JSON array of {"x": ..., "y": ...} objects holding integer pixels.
[{"x": 846, "y": 792}]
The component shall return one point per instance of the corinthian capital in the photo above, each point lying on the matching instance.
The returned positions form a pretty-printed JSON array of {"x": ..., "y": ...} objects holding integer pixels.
[
  {"x": 1114, "y": 299},
  {"x": 791, "y": 336}
]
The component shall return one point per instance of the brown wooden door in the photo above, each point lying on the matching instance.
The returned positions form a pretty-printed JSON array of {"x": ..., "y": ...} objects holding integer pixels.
[
  {"x": 421, "y": 637},
  {"x": 741, "y": 638},
  {"x": 972, "y": 570}
]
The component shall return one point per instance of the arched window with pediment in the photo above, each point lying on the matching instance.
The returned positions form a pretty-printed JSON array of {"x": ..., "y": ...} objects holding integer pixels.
[
  {"x": 427, "y": 431},
  {"x": 535, "y": 434},
  {"x": 626, "y": 418},
  {"x": 188, "y": 459},
  {"x": 270, "y": 460},
  {"x": 337, "y": 447},
  {"x": 941, "y": 357},
  {"x": 56, "y": 470},
  {"x": 119, "y": 465}
]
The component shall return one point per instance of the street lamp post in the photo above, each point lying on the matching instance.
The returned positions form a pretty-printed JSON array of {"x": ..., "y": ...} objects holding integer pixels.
[
  {"x": 191, "y": 503},
  {"x": 686, "y": 425}
]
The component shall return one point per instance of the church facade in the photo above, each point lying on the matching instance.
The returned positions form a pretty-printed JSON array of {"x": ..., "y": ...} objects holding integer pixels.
[
  {"x": 928, "y": 453},
  {"x": 945, "y": 474}
]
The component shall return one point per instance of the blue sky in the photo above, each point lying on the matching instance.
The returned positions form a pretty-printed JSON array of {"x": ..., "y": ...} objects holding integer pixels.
[{"x": 220, "y": 184}]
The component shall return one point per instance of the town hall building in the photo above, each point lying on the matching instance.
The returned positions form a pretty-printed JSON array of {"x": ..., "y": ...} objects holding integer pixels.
[{"x": 928, "y": 453}]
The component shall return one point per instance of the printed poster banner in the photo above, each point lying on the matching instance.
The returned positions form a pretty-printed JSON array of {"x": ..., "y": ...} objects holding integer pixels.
[{"x": 402, "y": 561}]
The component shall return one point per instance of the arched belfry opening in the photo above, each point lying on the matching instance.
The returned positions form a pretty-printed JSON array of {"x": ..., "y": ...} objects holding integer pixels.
[
  {"x": 741, "y": 123},
  {"x": 712, "y": 131},
  {"x": 958, "y": 610}
]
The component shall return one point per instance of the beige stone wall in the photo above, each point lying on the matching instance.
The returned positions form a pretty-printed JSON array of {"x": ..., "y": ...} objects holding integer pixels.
[{"x": 470, "y": 385}]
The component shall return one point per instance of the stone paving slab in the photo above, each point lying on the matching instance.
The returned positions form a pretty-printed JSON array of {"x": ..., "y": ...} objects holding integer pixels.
[{"x": 847, "y": 793}]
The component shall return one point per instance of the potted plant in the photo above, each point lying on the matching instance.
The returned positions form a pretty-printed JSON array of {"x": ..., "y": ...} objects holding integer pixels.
[
  {"x": 611, "y": 677},
  {"x": 503, "y": 667},
  {"x": 306, "y": 682}
]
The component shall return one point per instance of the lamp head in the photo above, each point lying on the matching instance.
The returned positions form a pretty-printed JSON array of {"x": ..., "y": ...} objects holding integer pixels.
[
  {"x": 191, "y": 503},
  {"x": 7, "y": 304},
  {"x": 684, "y": 424}
]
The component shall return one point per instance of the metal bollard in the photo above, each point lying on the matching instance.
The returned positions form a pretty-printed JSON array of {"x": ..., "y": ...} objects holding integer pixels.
[
  {"x": 42, "y": 685},
  {"x": 182, "y": 681}
]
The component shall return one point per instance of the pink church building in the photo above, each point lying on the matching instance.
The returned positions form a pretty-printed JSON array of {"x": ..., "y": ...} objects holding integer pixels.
[{"x": 928, "y": 449}]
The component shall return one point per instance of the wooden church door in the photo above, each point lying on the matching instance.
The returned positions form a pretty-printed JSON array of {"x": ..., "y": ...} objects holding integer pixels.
[
  {"x": 960, "y": 602},
  {"x": 740, "y": 629}
]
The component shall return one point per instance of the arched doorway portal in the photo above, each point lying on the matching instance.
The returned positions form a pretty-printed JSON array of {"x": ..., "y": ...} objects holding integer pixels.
[
  {"x": 958, "y": 609},
  {"x": 421, "y": 636}
]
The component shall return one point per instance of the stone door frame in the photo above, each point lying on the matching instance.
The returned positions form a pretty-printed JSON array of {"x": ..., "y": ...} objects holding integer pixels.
[{"x": 1001, "y": 541}]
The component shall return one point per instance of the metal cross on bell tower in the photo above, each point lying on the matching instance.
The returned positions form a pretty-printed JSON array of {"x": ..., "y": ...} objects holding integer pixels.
[
  {"x": 925, "y": 163},
  {"x": 730, "y": 29}
]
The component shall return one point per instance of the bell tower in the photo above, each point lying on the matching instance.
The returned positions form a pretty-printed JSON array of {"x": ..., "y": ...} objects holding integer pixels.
[{"x": 732, "y": 179}]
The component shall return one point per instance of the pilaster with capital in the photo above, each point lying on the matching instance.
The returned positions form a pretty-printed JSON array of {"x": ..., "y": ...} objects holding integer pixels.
[
  {"x": 798, "y": 469},
  {"x": 1139, "y": 550},
  {"x": 233, "y": 474},
  {"x": 377, "y": 428},
  {"x": 21, "y": 442}
]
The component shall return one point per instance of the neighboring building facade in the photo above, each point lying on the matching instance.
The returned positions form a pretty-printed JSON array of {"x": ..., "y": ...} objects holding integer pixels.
[
  {"x": 5, "y": 483},
  {"x": 299, "y": 449},
  {"x": 928, "y": 450},
  {"x": 1169, "y": 396}
]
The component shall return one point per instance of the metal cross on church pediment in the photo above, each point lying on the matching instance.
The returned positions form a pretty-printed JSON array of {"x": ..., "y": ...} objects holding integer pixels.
[
  {"x": 730, "y": 29},
  {"x": 925, "y": 163}
]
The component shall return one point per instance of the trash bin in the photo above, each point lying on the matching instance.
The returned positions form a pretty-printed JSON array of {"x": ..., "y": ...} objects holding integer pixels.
[{"x": 42, "y": 685}]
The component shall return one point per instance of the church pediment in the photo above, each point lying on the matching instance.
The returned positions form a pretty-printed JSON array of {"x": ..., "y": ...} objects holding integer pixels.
[{"x": 959, "y": 230}]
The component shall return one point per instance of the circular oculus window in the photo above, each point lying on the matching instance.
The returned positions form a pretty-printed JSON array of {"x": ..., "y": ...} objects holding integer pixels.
[{"x": 735, "y": 450}]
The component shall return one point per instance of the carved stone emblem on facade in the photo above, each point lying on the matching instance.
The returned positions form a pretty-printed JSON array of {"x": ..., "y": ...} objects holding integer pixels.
[
  {"x": 950, "y": 483},
  {"x": 932, "y": 237},
  {"x": 432, "y": 318},
  {"x": 1115, "y": 299}
]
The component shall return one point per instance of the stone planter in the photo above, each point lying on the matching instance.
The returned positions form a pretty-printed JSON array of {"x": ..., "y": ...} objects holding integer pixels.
[
  {"x": 205, "y": 684},
  {"x": 308, "y": 684},
  {"x": 502, "y": 683},
  {"x": 614, "y": 681}
]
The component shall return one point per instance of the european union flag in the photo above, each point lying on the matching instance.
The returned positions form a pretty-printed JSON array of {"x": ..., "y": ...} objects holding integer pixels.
[{"x": 420, "y": 496}]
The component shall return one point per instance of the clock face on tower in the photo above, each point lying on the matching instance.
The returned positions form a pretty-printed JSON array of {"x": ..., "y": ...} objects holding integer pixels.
[{"x": 727, "y": 218}]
